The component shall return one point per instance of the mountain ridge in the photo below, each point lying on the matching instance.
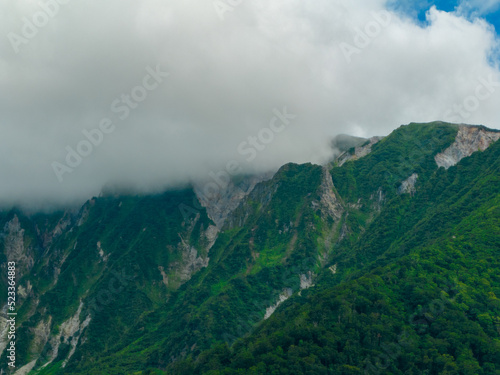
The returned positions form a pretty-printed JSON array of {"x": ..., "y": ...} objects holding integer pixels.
[{"x": 170, "y": 282}]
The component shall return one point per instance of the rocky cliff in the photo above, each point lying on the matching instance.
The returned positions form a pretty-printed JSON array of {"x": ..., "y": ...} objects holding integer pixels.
[
  {"x": 469, "y": 140},
  {"x": 169, "y": 275}
]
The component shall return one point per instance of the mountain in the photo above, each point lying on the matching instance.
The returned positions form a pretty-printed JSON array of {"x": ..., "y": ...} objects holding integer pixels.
[{"x": 384, "y": 261}]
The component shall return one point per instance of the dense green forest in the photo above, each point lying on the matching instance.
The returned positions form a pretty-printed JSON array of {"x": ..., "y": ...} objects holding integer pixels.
[
  {"x": 418, "y": 294},
  {"x": 320, "y": 270}
]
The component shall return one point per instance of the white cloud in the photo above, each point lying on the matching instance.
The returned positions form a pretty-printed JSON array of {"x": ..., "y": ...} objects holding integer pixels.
[
  {"x": 478, "y": 7},
  {"x": 226, "y": 77}
]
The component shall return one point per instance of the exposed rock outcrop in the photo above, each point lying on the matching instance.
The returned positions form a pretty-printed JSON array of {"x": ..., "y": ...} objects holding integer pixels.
[
  {"x": 287, "y": 293},
  {"x": 48, "y": 235},
  {"x": 191, "y": 262},
  {"x": 378, "y": 199},
  {"x": 329, "y": 203},
  {"x": 41, "y": 334},
  {"x": 261, "y": 193},
  {"x": 408, "y": 185},
  {"x": 469, "y": 140},
  {"x": 15, "y": 247},
  {"x": 358, "y": 152},
  {"x": 69, "y": 333},
  {"x": 26, "y": 368},
  {"x": 333, "y": 268},
  {"x": 4, "y": 327},
  {"x": 344, "y": 142},
  {"x": 220, "y": 202},
  {"x": 306, "y": 280}
]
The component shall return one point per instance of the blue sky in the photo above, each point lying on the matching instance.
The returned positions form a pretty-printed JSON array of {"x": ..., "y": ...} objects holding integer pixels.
[{"x": 487, "y": 9}]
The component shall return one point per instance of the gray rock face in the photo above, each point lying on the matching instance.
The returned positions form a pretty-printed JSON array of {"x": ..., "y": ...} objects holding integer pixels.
[
  {"x": 287, "y": 293},
  {"x": 469, "y": 140},
  {"x": 15, "y": 250},
  {"x": 33, "y": 241},
  {"x": 191, "y": 260},
  {"x": 26, "y": 369},
  {"x": 359, "y": 151},
  {"x": 343, "y": 142},
  {"x": 68, "y": 334},
  {"x": 306, "y": 280},
  {"x": 49, "y": 235},
  {"x": 329, "y": 202},
  {"x": 226, "y": 199},
  {"x": 408, "y": 185}
]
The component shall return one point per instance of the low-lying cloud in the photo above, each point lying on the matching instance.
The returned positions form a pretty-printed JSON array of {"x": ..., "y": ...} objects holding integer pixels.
[{"x": 74, "y": 82}]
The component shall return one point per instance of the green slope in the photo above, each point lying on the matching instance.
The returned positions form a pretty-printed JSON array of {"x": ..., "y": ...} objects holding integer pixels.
[
  {"x": 250, "y": 266},
  {"x": 417, "y": 289},
  {"x": 107, "y": 258},
  {"x": 403, "y": 283}
]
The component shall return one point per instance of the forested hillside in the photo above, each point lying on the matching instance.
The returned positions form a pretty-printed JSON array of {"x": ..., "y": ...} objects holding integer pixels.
[{"x": 380, "y": 262}]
